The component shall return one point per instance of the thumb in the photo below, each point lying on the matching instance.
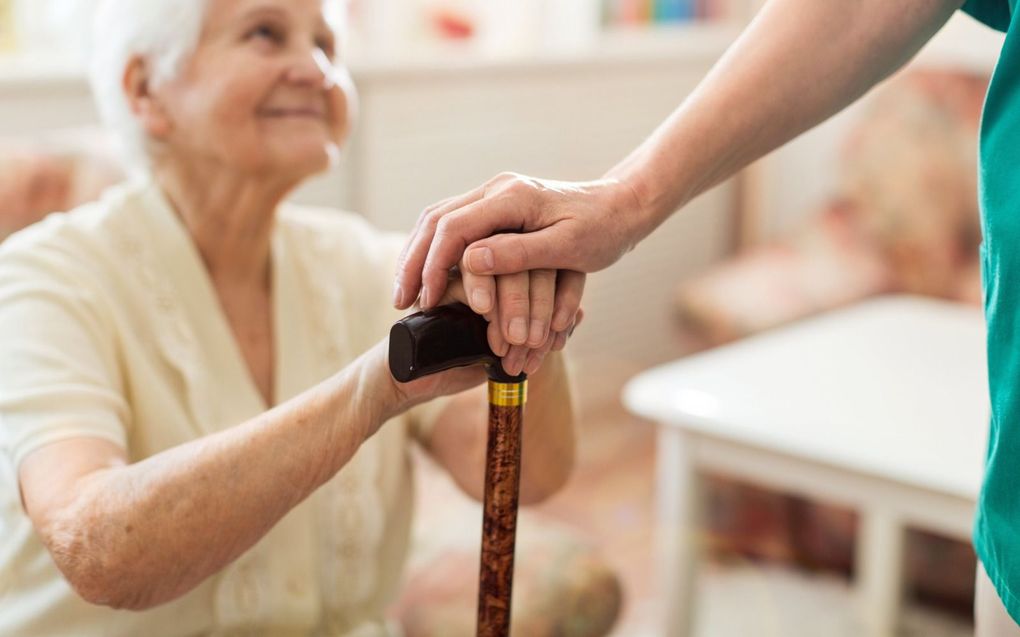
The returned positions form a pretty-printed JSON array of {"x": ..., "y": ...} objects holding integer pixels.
[{"x": 547, "y": 248}]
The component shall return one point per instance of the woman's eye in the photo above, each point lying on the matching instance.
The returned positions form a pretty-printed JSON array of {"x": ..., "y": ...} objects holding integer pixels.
[{"x": 266, "y": 32}]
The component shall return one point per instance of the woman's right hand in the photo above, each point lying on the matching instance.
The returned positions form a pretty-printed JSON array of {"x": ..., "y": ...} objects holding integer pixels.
[{"x": 542, "y": 290}]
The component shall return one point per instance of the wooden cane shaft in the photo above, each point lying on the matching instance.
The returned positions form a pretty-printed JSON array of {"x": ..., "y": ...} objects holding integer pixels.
[{"x": 499, "y": 526}]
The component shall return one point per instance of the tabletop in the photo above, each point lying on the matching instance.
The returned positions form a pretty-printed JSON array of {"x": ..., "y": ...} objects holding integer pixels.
[{"x": 894, "y": 387}]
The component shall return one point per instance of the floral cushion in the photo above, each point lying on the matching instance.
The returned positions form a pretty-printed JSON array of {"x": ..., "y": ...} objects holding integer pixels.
[
  {"x": 904, "y": 219},
  {"x": 910, "y": 168},
  {"x": 825, "y": 266},
  {"x": 54, "y": 172},
  {"x": 562, "y": 588}
]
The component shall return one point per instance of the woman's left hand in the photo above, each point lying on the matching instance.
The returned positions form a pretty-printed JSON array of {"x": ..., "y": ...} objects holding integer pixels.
[{"x": 503, "y": 299}]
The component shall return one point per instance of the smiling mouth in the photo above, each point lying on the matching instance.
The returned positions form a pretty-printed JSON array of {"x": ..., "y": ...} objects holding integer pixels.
[{"x": 306, "y": 113}]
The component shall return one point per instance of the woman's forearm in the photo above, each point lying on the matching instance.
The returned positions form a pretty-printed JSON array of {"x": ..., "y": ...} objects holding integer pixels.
[
  {"x": 797, "y": 64},
  {"x": 139, "y": 535}
]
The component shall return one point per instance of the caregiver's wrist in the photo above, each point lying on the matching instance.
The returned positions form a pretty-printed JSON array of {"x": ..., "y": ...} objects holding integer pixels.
[{"x": 628, "y": 210}]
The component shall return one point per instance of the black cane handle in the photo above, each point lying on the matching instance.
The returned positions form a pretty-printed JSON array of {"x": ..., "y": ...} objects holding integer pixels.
[{"x": 443, "y": 338}]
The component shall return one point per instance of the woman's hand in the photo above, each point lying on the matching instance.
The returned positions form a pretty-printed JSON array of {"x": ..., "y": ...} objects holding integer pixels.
[
  {"x": 538, "y": 293},
  {"x": 539, "y": 309}
]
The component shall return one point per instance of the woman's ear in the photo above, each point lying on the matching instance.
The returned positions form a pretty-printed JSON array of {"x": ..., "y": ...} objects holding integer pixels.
[{"x": 137, "y": 86}]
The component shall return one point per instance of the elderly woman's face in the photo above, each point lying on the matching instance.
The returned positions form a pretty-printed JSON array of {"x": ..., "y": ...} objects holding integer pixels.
[{"x": 258, "y": 93}]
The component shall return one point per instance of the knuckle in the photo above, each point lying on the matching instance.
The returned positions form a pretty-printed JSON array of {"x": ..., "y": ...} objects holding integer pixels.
[
  {"x": 442, "y": 226},
  {"x": 446, "y": 228},
  {"x": 499, "y": 182},
  {"x": 514, "y": 299},
  {"x": 543, "y": 299},
  {"x": 518, "y": 187},
  {"x": 433, "y": 217},
  {"x": 541, "y": 307}
]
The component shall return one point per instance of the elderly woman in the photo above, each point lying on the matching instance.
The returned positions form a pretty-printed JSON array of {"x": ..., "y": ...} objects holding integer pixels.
[{"x": 200, "y": 432}]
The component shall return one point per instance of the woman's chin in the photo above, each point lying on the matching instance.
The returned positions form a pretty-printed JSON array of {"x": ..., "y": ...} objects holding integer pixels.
[{"x": 304, "y": 164}]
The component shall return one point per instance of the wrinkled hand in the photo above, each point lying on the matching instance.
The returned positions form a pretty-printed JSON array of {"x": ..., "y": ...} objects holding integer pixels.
[
  {"x": 517, "y": 224},
  {"x": 538, "y": 289},
  {"x": 535, "y": 294}
]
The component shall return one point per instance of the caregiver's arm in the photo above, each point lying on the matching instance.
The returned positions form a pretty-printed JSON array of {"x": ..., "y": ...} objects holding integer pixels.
[
  {"x": 137, "y": 535},
  {"x": 798, "y": 63},
  {"x": 458, "y": 438}
]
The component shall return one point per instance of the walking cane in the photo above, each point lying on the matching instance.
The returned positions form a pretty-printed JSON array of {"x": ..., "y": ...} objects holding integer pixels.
[{"x": 454, "y": 336}]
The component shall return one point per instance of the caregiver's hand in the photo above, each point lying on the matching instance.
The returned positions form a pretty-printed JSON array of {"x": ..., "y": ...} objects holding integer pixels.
[{"x": 516, "y": 223}]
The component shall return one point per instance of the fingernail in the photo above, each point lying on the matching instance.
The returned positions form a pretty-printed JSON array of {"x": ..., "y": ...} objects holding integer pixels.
[
  {"x": 424, "y": 300},
  {"x": 481, "y": 261},
  {"x": 519, "y": 363},
  {"x": 532, "y": 365},
  {"x": 537, "y": 333},
  {"x": 481, "y": 299},
  {"x": 398, "y": 295},
  {"x": 518, "y": 331},
  {"x": 510, "y": 364}
]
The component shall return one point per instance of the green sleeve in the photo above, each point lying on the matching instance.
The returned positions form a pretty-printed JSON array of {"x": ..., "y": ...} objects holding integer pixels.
[{"x": 994, "y": 13}]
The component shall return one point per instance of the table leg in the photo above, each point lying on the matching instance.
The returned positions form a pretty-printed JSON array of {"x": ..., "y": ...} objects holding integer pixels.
[
  {"x": 677, "y": 492},
  {"x": 879, "y": 571}
]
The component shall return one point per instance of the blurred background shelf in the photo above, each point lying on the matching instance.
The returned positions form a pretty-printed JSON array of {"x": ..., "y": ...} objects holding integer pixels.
[{"x": 670, "y": 44}]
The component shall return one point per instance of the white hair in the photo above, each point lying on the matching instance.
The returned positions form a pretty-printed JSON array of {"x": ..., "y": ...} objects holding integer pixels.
[{"x": 164, "y": 33}]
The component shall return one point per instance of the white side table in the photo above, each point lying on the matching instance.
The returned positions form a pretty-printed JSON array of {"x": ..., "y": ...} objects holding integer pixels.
[{"x": 882, "y": 406}]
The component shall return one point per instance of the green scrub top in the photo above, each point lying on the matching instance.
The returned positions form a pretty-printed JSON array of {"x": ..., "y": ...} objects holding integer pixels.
[{"x": 997, "y": 525}]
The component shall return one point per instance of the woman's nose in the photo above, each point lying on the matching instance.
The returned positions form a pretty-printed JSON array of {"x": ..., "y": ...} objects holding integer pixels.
[{"x": 313, "y": 68}]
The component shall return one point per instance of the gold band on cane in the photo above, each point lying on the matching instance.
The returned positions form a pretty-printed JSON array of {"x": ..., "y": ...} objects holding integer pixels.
[{"x": 508, "y": 394}]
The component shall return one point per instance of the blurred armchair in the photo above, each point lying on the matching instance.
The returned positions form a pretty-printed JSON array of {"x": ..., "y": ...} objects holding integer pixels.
[
  {"x": 903, "y": 219},
  {"x": 54, "y": 172}
]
